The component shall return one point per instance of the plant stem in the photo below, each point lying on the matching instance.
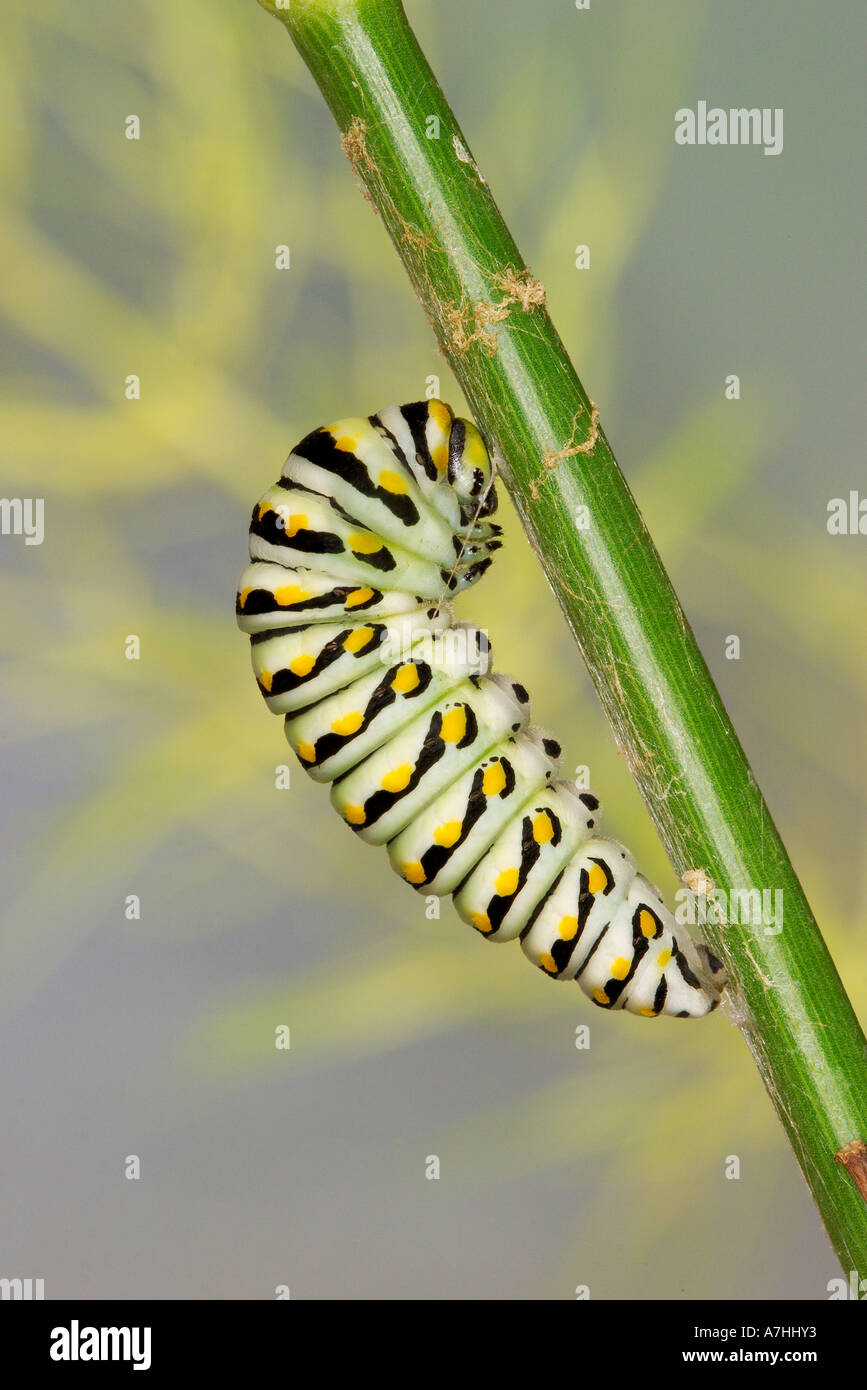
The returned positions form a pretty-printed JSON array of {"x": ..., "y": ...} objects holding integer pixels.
[{"x": 491, "y": 322}]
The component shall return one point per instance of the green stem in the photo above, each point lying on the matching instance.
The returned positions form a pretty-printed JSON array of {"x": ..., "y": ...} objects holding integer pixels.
[{"x": 657, "y": 691}]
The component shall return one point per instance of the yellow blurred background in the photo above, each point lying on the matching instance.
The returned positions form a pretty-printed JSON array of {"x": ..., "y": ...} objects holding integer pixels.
[{"x": 155, "y": 1036}]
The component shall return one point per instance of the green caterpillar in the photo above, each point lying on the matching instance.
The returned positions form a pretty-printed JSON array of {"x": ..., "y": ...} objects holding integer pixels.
[{"x": 353, "y": 550}]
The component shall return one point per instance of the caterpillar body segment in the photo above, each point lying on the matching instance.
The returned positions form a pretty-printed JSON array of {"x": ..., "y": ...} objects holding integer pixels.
[
  {"x": 437, "y": 851},
  {"x": 296, "y": 666},
  {"x": 381, "y": 796},
  {"x": 354, "y": 551}
]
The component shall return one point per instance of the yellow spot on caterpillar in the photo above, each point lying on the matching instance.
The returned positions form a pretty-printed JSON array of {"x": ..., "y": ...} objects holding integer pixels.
[
  {"x": 358, "y": 640},
  {"x": 494, "y": 779},
  {"x": 475, "y": 452},
  {"x": 264, "y": 509},
  {"x": 363, "y": 543},
  {"x": 406, "y": 679},
  {"x": 413, "y": 873},
  {"x": 348, "y": 443},
  {"x": 392, "y": 482},
  {"x": 440, "y": 456},
  {"x": 619, "y": 968},
  {"x": 601, "y": 997},
  {"x": 447, "y": 835},
  {"x": 266, "y": 679},
  {"x": 297, "y": 522},
  {"x": 306, "y": 752},
  {"x": 596, "y": 879},
  {"x": 440, "y": 414},
  {"x": 646, "y": 923},
  {"x": 481, "y": 921},
  {"x": 289, "y": 593},
  {"x": 454, "y": 725},
  {"x": 506, "y": 883},
  {"x": 302, "y": 665},
  {"x": 358, "y": 596},
  {"x": 398, "y": 779},
  {"x": 543, "y": 828},
  {"x": 243, "y": 596},
  {"x": 647, "y": 1013},
  {"x": 568, "y": 927},
  {"x": 348, "y": 724},
  {"x": 355, "y": 815},
  {"x": 548, "y": 963},
  {"x": 663, "y": 958}
]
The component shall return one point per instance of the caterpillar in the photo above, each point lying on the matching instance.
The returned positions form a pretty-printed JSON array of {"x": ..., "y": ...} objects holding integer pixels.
[{"x": 354, "y": 552}]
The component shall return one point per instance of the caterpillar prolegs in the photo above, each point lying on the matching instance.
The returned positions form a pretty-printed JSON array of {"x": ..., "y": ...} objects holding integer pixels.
[{"x": 354, "y": 550}]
